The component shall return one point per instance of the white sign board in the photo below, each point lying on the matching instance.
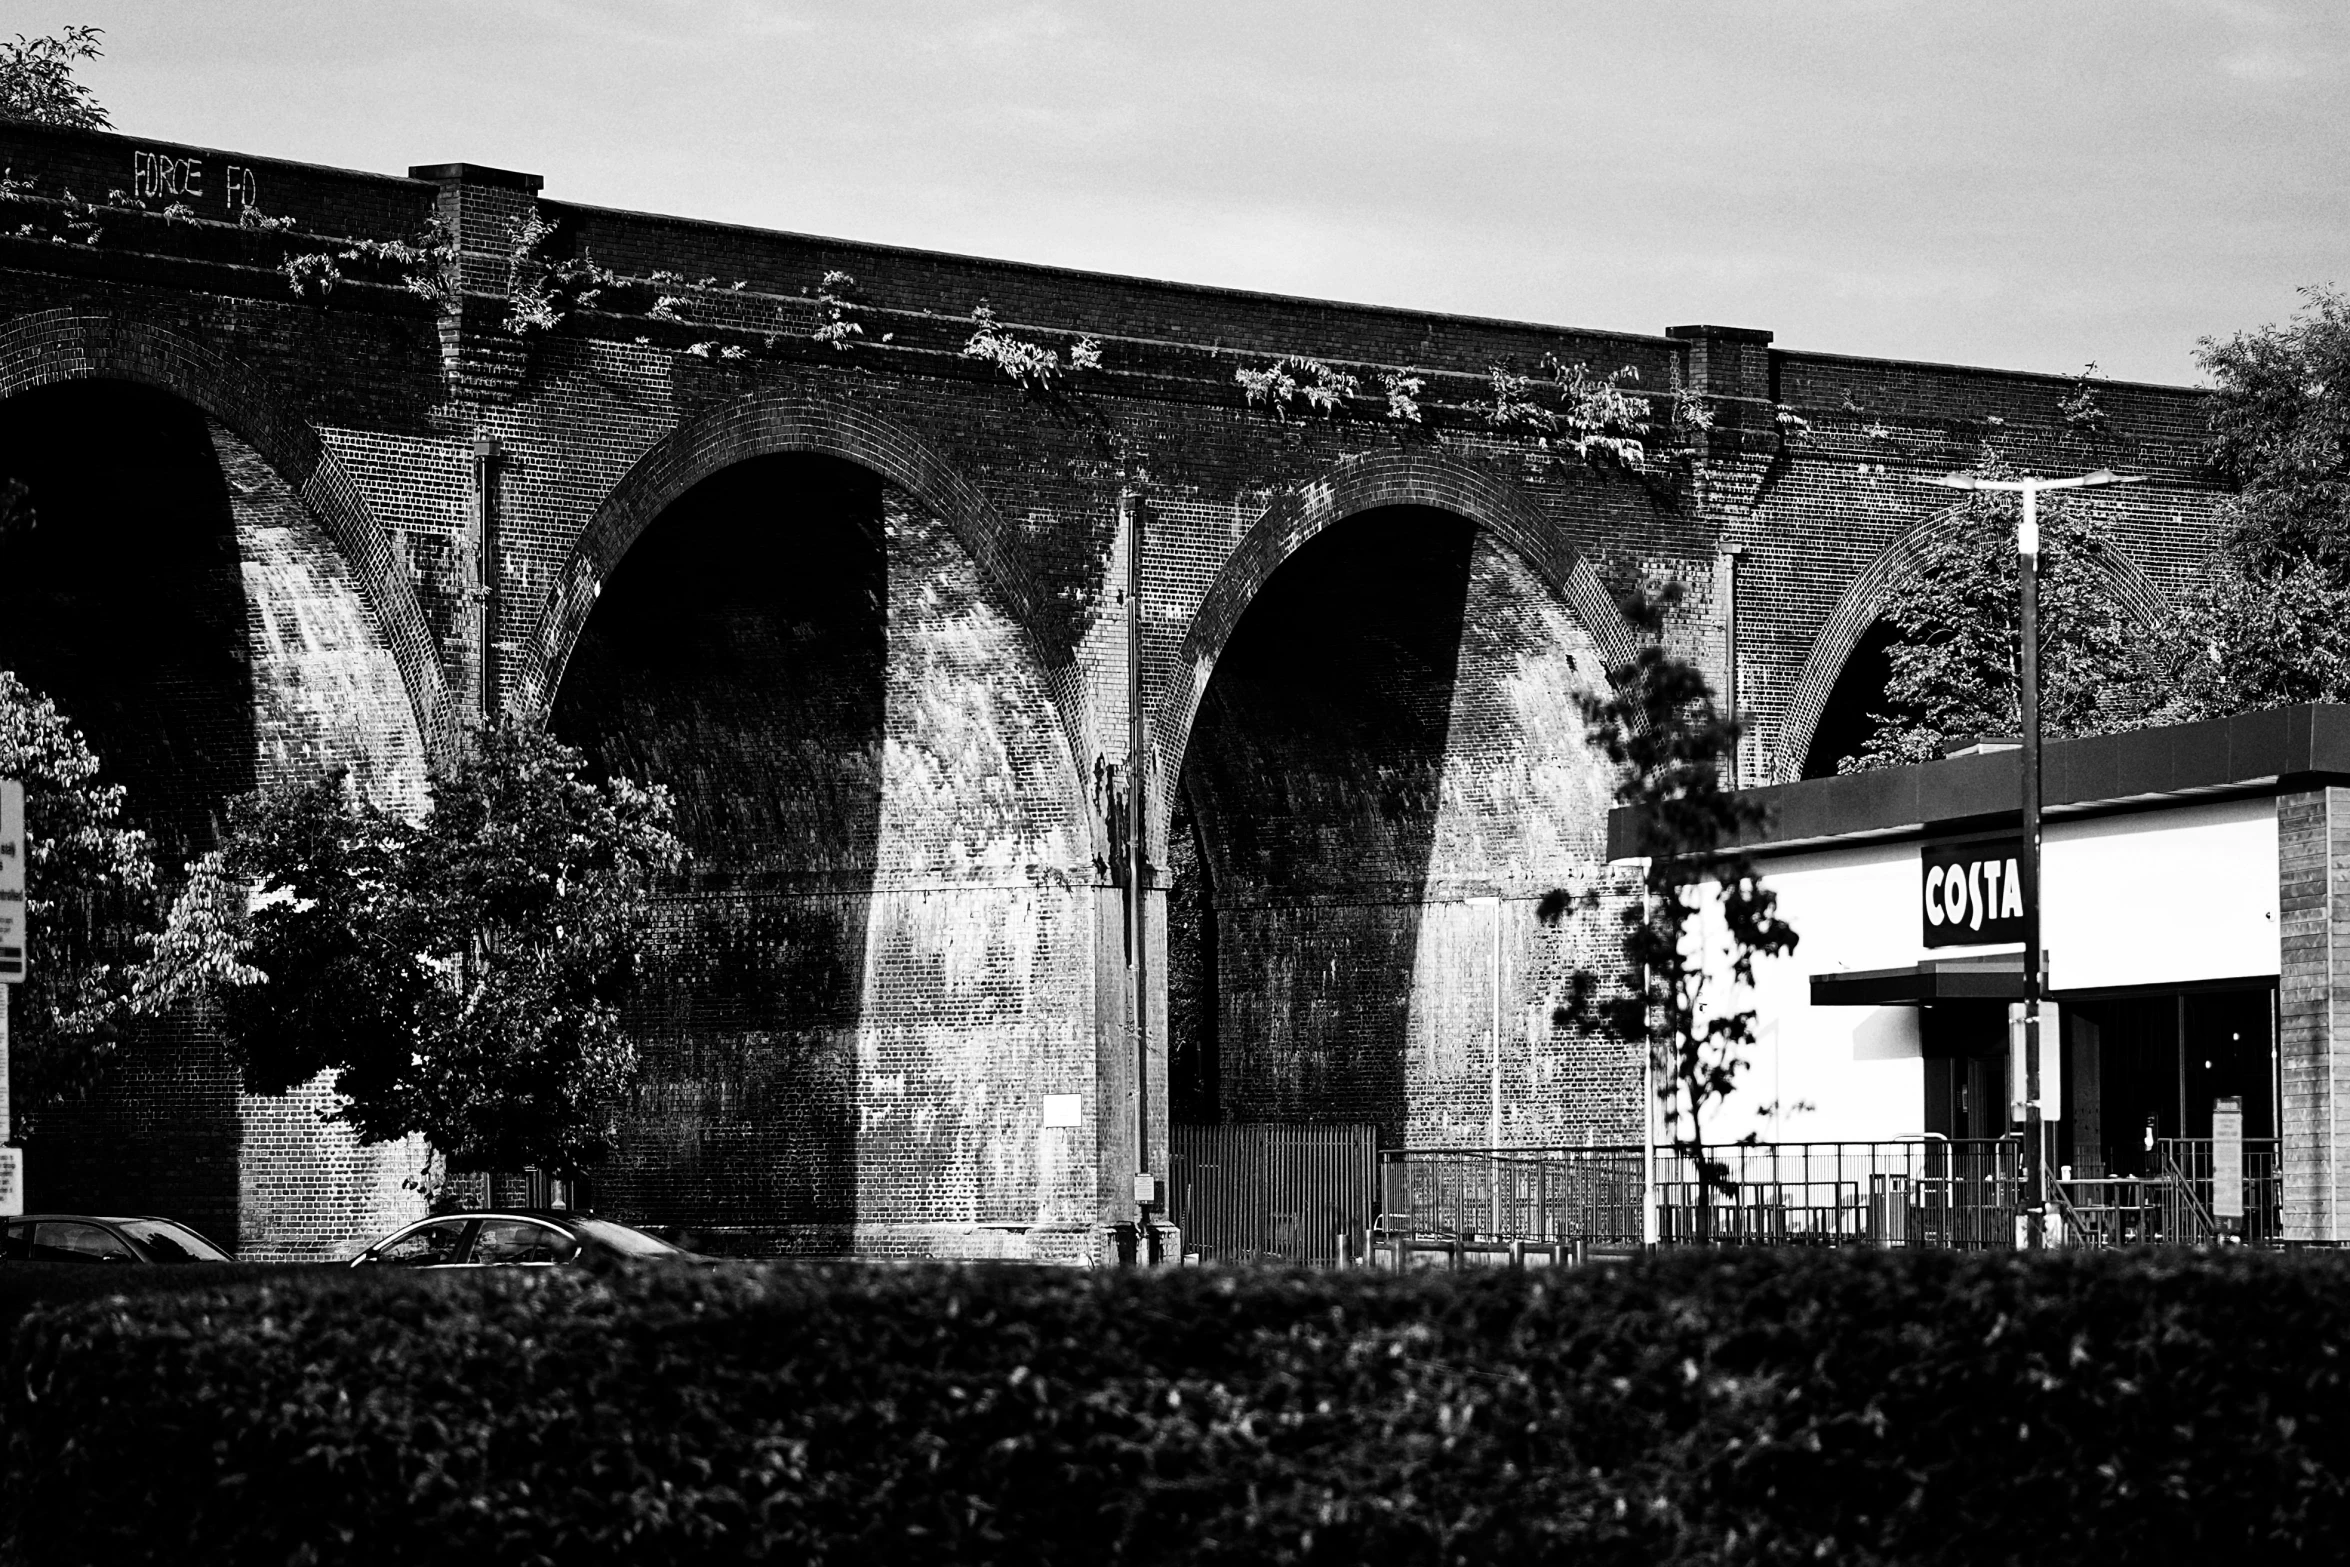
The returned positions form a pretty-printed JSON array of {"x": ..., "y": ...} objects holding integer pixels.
[
  {"x": 11, "y": 1181},
  {"x": 2227, "y": 1159},
  {"x": 1064, "y": 1110},
  {"x": 12, "y": 921},
  {"x": 2051, "y": 1061}
]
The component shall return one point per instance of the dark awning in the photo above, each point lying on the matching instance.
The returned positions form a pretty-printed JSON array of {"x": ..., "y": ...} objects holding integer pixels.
[{"x": 1963, "y": 979}]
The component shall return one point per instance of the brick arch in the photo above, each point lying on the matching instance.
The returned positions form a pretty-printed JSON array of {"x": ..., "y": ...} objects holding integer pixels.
[
  {"x": 1864, "y": 600},
  {"x": 771, "y": 423},
  {"x": 50, "y": 347},
  {"x": 1358, "y": 484}
]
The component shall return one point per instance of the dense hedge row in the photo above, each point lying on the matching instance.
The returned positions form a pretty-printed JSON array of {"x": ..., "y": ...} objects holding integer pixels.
[
  {"x": 1855, "y": 1406},
  {"x": 30, "y": 1286}
]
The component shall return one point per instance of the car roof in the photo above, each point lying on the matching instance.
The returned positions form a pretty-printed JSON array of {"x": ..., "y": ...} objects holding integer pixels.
[
  {"x": 97, "y": 1218},
  {"x": 543, "y": 1215}
]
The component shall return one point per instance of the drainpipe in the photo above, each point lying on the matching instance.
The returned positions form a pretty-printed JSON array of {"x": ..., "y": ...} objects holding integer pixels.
[
  {"x": 485, "y": 497},
  {"x": 1726, "y": 589},
  {"x": 1146, "y": 1186}
]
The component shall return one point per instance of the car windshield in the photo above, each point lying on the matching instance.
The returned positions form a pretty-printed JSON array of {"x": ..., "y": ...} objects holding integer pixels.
[
  {"x": 169, "y": 1242},
  {"x": 636, "y": 1243}
]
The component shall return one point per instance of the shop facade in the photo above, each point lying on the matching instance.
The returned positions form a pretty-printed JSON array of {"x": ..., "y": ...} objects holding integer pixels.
[{"x": 2196, "y": 930}]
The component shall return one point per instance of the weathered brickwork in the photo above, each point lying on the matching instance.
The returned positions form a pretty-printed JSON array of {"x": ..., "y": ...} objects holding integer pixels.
[
  {"x": 887, "y": 904},
  {"x": 859, "y": 600},
  {"x": 192, "y": 615},
  {"x": 1389, "y": 771}
]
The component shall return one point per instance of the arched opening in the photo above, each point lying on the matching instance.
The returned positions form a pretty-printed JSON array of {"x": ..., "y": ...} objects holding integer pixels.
[
  {"x": 1849, "y": 718},
  {"x": 738, "y": 656},
  {"x": 1387, "y": 771},
  {"x": 167, "y": 587},
  {"x": 882, "y": 956},
  {"x": 121, "y": 596}
]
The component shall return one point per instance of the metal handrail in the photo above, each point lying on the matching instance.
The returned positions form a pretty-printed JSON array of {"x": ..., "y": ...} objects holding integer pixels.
[
  {"x": 2206, "y": 1227},
  {"x": 1917, "y": 1192}
]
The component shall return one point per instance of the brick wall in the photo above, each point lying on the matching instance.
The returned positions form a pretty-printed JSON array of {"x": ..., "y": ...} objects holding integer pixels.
[
  {"x": 1388, "y": 773},
  {"x": 887, "y": 968},
  {"x": 192, "y": 616},
  {"x": 880, "y": 931}
]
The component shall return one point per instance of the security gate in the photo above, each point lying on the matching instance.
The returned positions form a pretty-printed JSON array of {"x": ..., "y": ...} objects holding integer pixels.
[{"x": 1262, "y": 1191}]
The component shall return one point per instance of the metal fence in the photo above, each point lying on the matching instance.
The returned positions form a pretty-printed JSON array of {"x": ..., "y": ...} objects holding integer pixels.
[
  {"x": 1956, "y": 1195},
  {"x": 1269, "y": 1192},
  {"x": 1563, "y": 1202},
  {"x": 2177, "y": 1205},
  {"x": 1544, "y": 1195},
  {"x": 1325, "y": 1195}
]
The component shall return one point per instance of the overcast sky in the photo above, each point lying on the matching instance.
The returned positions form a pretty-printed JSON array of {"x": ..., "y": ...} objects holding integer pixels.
[{"x": 2029, "y": 185}]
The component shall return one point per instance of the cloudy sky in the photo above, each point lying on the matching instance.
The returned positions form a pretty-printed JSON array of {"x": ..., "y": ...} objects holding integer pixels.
[{"x": 2030, "y": 185}]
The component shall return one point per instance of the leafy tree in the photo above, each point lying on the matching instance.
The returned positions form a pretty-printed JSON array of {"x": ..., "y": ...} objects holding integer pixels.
[
  {"x": 1702, "y": 900},
  {"x": 37, "y": 80},
  {"x": 2270, "y": 624},
  {"x": 460, "y": 976},
  {"x": 88, "y": 878},
  {"x": 1956, "y": 634}
]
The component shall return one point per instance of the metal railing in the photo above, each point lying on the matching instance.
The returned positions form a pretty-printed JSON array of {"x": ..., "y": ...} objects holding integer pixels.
[
  {"x": 1324, "y": 1195},
  {"x": 2175, "y": 1206},
  {"x": 1301, "y": 1194},
  {"x": 1567, "y": 1201},
  {"x": 1959, "y": 1195},
  {"x": 2107, "y": 1210},
  {"x": 2191, "y": 1198}
]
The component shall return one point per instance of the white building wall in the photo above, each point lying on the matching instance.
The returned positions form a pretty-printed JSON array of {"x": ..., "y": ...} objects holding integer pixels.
[
  {"x": 1834, "y": 1073},
  {"x": 2162, "y": 897},
  {"x": 2154, "y": 898}
]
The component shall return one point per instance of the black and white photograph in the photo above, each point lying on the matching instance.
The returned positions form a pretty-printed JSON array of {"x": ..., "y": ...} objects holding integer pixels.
[{"x": 1045, "y": 782}]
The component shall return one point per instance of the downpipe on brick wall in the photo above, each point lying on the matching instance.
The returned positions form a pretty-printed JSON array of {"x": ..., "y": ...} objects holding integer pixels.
[
  {"x": 1146, "y": 1185},
  {"x": 485, "y": 586}
]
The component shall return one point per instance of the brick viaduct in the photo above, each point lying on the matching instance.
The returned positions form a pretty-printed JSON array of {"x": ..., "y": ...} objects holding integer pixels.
[{"x": 858, "y": 598}]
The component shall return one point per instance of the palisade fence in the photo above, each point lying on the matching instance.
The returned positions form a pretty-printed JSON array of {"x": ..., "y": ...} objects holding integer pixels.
[
  {"x": 1328, "y": 1196},
  {"x": 1256, "y": 1191}
]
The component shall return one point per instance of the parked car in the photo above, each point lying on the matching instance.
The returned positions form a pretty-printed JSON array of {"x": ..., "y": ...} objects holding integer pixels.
[
  {"x": 513, "y": 1238},
  {"x": 78, "y": 1237}
]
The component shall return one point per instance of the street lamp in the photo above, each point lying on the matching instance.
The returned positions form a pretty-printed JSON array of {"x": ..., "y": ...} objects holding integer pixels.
[{"x": 2027, "y": 549}]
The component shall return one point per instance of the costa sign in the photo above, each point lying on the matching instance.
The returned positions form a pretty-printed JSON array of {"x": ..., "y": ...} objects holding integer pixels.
[{"x": 1974, "y": 894}]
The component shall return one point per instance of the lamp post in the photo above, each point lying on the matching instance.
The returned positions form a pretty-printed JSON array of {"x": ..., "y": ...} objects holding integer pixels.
[{"x": 2027, "y": 549}]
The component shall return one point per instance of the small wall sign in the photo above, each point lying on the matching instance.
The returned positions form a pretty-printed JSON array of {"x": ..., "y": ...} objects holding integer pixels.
[
  {"x": 2227, "y": 1161},
  {"x": 1974, "y": 896}
]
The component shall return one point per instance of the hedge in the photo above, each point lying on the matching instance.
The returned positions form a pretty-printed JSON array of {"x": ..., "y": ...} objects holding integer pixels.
[
  {"x": 1765, "y": 1407},
  {"x": 28, "y": 1286}
]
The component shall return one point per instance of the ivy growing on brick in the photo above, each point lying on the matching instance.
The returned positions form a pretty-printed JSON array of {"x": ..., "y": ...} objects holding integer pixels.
[
  {"x": 311, "y": 274},
  {"x": 1403, "y": 395},
  {"x": 2079, "y": 408},
  {"x": 833, "y": 303},
  {"x": 1028, "y": 363},
  {"x": 543, "y": 288},
  {"x": 1323, "y": 387}
]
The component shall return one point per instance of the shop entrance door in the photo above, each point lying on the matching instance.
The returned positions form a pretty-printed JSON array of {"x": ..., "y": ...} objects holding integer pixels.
[{"x": 1965, "y": 1048}]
